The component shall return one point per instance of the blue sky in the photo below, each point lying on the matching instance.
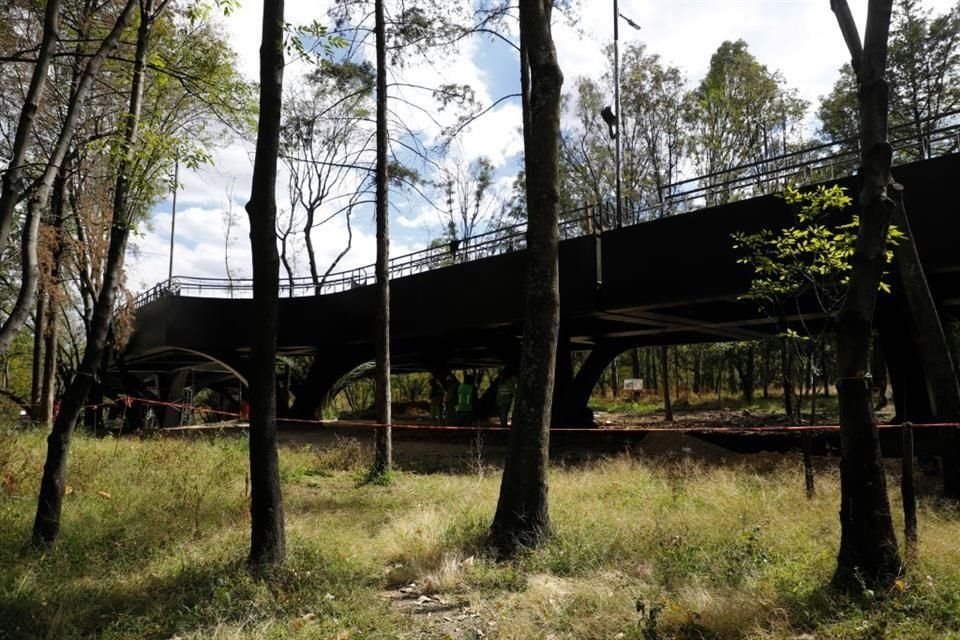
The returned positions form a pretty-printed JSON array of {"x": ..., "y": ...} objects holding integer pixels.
[{"x": 797, "y": 37}]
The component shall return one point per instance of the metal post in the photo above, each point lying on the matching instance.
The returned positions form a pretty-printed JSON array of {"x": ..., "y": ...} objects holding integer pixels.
[
  {"x": 908, "y": 492},
  {"x": 173, "y": 216},
  {"x": 616, "y": 105}
]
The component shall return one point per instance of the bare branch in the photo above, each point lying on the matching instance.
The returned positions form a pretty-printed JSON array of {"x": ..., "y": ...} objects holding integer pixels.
[{"x": 849, "y": 30}]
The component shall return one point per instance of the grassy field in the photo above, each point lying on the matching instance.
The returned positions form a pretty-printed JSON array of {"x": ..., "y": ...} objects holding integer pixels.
[{"x": 155, "y": 533}]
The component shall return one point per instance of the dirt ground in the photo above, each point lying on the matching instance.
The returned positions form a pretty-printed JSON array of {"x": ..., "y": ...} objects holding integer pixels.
[{"x": 418, "y": 446}]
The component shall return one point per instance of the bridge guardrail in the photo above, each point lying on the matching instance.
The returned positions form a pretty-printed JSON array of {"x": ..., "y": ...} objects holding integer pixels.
[{"x": 809, "y": 165}]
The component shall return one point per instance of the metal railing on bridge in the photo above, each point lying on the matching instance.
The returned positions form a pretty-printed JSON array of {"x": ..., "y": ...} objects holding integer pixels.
[{"x": 810, "y": 165}]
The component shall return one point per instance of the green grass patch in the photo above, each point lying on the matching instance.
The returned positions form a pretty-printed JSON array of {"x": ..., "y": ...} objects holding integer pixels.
[{"x": 155, "y": 534}]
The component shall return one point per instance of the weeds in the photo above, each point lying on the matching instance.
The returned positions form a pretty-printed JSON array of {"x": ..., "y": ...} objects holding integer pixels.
[{"x": 155, "y": 533}]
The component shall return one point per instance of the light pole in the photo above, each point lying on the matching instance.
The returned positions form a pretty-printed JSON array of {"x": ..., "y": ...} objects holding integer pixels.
[
  {"x": 618, "y": 144},
  {"x": 173, "y": 215}
]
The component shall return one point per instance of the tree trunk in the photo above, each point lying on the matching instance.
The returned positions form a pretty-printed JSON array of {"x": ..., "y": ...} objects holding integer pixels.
[
  {"x": 786, "y": 371},
  {"x": 46, "y": 526},
  {"x": 522, "y": 517},
  {"x": 267, "y": 536},
  {"x": 868, "y": 544},
  {"x": 676, "y": 372},
  {"x": 615, "y": 377},
  {"x": 28, "y": 249},
  {"x": 36, "y": 367},
  {"x": 48, "y": 388},
  {"x": 766, "y": 369},
  {"x": 12, "y": 187},
  {"x": 667, "y": 407},
  {"x": 383, "y": 457},
  {"x": 308, "y": 241},
  {"x": 651, "y": 369},
  {"x": 698, "y": 370},
  {"x": 635, "y": 362}
]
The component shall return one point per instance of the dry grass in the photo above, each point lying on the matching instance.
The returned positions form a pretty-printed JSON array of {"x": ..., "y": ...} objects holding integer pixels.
[{"x": 155, "y": 534}]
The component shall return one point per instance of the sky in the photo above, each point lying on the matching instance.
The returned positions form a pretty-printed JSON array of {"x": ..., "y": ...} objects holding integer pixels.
[{"x": 799, "y": 38}]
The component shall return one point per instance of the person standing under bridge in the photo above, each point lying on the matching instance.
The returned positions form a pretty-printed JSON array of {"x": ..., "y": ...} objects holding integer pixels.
[{"x": 465, "y": 404}]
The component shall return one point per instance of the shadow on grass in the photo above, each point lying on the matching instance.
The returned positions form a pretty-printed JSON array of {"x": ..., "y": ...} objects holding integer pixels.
[{"x": 191, "y": 598}]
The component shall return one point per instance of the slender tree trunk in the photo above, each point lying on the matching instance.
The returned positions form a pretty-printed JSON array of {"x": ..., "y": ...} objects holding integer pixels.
[
  {"x": 615, "y": 377},
  {"x": 308, "y": 241},
  {"x": 48, "y": 389},
  {"x": 824, "y": 371},
  {"x": 786, "y": 370},
  {"x": 38, "y": 201},
  {"x": 383, "y": 458},
  {"x": 268, "y": 538},
  {"x": 667, "y": 407},
  {"x": 36, "y": 367},
  {"x": 12, "y": 185},
  {"x": 766, "y": 369},
  {"x": 698, "y": 370},
  {"x": 46, "y": 526},
  {"x": 868, "y": 543},
  {"x": 676, "y": 372},
  {"x": 651, "y": 369},
  {"x": 286, "y": 263},
  {"x": 522, "y": 516}
]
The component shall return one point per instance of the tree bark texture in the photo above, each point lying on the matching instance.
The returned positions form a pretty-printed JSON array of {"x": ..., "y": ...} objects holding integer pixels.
[
  {"x": 868, "y": 545},
  {"x": 665, "y": 380},
  {"x": 12, "y": 187},
  {"x": 46, "y": 525},
  {"x": 383, "y": 457},
  {"x": 38, "y": 201},
  {"x": 267, "y": 536},
  {"x": 522, "y": 517},
  {"x": 48, "y": 385},
  {"x": 36, "y": 367}
]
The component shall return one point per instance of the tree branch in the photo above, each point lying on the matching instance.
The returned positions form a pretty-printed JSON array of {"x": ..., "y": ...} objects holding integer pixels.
[{"x": 849, "y": 30}]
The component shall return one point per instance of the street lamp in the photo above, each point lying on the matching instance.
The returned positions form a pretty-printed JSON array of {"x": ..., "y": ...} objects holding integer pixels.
[
  {"x": 173, "y": 215},
  {"x": 614, "y": 118}
]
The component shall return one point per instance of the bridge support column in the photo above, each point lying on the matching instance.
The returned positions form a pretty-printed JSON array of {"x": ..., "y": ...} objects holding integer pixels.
[
  {"x": 896, "y": 339},
  {"x": 171, "y": 387},
  {"x": 571, "y": 394},
  {"x": 312, "y": 392},
  {"x": 911, "y": 395},
  {"x": 577, "y": 398}
]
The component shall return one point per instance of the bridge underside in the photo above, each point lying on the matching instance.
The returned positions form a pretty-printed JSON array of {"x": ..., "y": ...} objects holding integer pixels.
[{"x": 670, "y": 281}]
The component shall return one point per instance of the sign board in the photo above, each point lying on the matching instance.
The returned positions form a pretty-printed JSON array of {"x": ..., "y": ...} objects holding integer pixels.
[{"x": 633, "y": 384}]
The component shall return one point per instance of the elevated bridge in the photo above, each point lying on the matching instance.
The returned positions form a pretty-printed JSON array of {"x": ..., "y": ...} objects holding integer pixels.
[{"x": 667, "y": 274}]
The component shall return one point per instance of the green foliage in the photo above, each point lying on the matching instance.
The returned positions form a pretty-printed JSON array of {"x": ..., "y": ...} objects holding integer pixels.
[
  {"x": 741, "y": 112},
  {"x": 653, "y": 135},
  {"x": 312, "y": 41},
  {"x": 156, "y": 530},
  {"x": 923, "y": 71},
  {"x": 811, "y": 256}
]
